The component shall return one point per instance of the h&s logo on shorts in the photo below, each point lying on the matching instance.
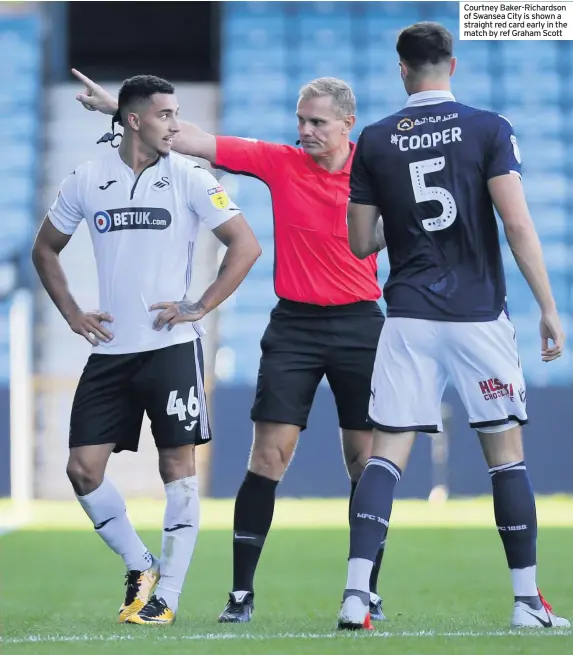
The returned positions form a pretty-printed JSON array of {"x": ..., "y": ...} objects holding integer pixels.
[
  {"x": 493, "y": 388},
  {"x": 132, "y": 218}
]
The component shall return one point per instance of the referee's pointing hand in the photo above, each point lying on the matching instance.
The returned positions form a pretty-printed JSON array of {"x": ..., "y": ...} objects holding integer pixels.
[
  {"x": 180, "y": 311},
  {"x": 95, "y": 98}
]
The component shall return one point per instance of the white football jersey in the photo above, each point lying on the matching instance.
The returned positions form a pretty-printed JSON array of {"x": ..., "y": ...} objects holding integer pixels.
[{"x": 143, "y": 231}]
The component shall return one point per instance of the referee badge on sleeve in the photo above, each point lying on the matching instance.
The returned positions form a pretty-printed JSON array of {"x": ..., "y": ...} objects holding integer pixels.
[{"x": 218, "y": 196}]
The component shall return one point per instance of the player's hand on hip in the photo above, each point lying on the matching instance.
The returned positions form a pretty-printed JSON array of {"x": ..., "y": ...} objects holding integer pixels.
[
  {"x": 550, "y": 328},
  {"x": 95, "y": 98},
  {"x": 89, "y": 325},
  {"x": 180, "y": 311}
]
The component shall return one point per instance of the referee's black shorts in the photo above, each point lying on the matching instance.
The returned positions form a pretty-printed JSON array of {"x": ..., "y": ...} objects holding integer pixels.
[
  {"x": 303, "y": 343},
  {"x": 114, "y": 391}
]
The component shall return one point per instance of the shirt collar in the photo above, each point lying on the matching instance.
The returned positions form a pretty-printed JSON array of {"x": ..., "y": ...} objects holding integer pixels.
[
  {"x": 429, "y": 98},
  {"x": 343, "y": 171}
]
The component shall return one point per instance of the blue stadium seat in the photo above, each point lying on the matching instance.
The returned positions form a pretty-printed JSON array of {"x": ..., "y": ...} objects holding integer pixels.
[
  {"x": 390, "y": 92},
  {"x": 235, "y": 11},
  {"x": 272, "y": 118},
  {"x": 473, "y": 90},
  {"x": 541, "y": 90},
  {"x": 521, "y": 57},
  {"x": 242, "y": 88},
  {"x": 17, "y": 156},
  {"x": 520, "y": 295},
  {"x": 541, "y": 121},
  {"x": 378, "y": 60},
  {"x": 558, "y": 257},
  {"x": 327, "y": 66},
  {"x": 17, "y": 189},
  {"x": 445, "y": 11},
  {"x": 15, "y": 230},
  {"x": 19, "y": 55},
  {"x": 550, "y": 220},
  {"x": 546, "y": 188},
  {"x": 249, "y": 61},
  {"x": 21, "y": 122},
  {"x": 314, "y": 60},
  {"x": 542, "y": 156},
  {"x": 392, "y": 11},
  {"x": 254, "y": 32},
  {"x": 331, "y": 12},
  {"x": 334, "y": 34},
  {"x": 470, "y": 65}
]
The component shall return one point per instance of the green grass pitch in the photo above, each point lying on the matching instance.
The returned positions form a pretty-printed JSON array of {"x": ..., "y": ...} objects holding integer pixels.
[{"x": 444, "y": 582}]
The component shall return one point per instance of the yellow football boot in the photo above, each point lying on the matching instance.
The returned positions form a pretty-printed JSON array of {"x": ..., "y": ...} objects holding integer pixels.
[
  {"x": 140, "y": 586},
  {"x": 156, "y": 612}
]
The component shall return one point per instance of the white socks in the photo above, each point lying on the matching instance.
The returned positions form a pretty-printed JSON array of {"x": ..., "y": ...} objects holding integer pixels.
[
  {"x": 359, "y": 571},
  {"x": 524, "y": 581},
  {"x": 180, "y": 529},
  {"x": 106, "y": 508}
]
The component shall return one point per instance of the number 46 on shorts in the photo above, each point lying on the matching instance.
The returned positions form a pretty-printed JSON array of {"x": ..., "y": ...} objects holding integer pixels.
[{"x": 175, "y": 406}]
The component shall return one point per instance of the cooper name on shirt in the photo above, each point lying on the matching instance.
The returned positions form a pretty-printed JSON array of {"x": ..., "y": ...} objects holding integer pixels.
[{"x": 431, "y": 140}]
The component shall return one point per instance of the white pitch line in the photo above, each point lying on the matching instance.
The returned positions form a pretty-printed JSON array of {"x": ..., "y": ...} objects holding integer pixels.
[{"x": 284, "y": 635}]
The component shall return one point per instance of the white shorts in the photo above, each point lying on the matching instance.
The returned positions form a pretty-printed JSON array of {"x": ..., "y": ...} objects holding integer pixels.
[{"x": 415, "y": 358}]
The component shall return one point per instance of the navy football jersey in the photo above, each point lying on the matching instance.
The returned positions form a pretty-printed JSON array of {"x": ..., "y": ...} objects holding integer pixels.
[{"x": 426, "y": 168}]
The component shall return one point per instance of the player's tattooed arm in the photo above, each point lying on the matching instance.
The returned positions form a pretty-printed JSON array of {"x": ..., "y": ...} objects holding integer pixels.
[
  {"x": 190, "y": 309},
  {"x": 178, "y": 311}
]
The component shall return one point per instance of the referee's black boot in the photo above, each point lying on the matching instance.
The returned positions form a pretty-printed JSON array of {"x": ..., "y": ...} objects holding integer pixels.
[{"x": 239, "y": 607}]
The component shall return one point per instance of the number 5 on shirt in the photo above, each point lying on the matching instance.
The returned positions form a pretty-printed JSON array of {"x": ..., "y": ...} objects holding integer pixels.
[{"x": 422, "y": 193}]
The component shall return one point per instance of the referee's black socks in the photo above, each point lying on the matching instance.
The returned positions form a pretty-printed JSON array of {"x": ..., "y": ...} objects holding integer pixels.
[{"x": 254, "y": 507}]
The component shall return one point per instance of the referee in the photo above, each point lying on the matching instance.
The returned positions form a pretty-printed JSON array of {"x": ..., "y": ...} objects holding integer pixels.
[{"x": 326, "y": 322}]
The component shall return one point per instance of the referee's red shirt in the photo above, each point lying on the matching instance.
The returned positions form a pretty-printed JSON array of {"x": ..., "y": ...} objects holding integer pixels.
[{"x": 313, "y": 261}]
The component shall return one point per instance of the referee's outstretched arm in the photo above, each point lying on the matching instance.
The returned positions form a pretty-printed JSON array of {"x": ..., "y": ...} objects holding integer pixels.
[{"x": 191, "y": 140}]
